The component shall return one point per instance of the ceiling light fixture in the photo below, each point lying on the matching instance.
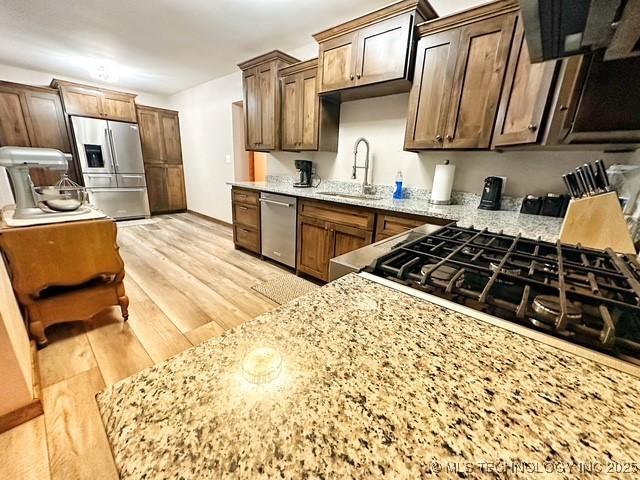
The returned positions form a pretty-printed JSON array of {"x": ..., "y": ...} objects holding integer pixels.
[{"x": 105, "y": 72}]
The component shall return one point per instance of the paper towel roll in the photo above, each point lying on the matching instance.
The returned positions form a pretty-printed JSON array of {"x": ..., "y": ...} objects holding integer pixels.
[{"x": 443, "y": 184}]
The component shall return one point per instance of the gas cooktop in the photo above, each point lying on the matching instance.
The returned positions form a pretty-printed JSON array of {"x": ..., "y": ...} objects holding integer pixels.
[{"x": 589, "y": 297}]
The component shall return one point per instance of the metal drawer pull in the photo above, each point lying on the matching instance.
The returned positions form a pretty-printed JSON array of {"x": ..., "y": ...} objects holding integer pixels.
[
  {"x": 244, "y": 209},
  {"x": 273, "y": 202}
]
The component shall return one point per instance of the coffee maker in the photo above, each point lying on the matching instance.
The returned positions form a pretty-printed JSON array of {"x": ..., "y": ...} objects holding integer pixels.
[{"x": 305, "y": 167}]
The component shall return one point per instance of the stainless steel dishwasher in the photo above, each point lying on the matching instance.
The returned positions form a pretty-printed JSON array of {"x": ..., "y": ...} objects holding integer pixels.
[{"x": 279, "y": 227}]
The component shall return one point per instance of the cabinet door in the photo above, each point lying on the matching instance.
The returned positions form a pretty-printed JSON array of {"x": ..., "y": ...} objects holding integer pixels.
[
  {"x": 482, "y": 60},
  {"x": 336, "y": 64},
  {"x": 253, "y": 117},
  {"x": 119, "y": 107},
  {"x": 82, "y": 101},
  {"x": 175, "y": 188},
  {"x": 383, "y": 50},
  {"x": 525, "y": 96},
  {"x": 171, "y": 142},
  {"x": 309, "y": 110},
  {"x": 13, "y": 119},
  {"x": 151, "y": 136},
  {"x": 157, "y": 188},
  {"x": 267, "y": 77},
  {"x": 431, "y": 91},
  {"x": 48, "y": 126},
  {"x": 347, "y": 239},
  {"x": 314, "y": 247},
  {"x": 291, "y": 88}
]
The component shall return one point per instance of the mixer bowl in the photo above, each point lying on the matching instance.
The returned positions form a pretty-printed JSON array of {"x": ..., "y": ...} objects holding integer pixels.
[{"x": 60, "y": 199}]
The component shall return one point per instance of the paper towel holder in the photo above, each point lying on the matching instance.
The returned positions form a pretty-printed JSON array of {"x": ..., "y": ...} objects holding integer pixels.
[{"x": 442, "y": 184}]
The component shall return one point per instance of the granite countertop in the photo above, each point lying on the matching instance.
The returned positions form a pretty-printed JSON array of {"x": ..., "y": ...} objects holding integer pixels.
[
  {"x": 510, "y": 222},
  {"x": 371, "y": 390}
]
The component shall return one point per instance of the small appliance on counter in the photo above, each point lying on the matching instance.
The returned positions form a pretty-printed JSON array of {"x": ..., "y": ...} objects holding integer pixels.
[
  {"x": 38, "y": 205},
  {"x": 442, "y": 184},
  {"x": 491, "y": 193},
  {"x": 551, "y": 205},
  {"x": 305, "y": 168}
]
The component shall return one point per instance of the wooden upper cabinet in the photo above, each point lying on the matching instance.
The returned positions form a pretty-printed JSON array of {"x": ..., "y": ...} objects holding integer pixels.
[
  {"x": 460, "y": 68},
  {"x": 13, "y": 118},
  {"x": 337, "y": 62},
  {"x": 118, "y": 106},
  {"x": 86, "y": 101},
  {"x": 526, "y": 94},
  {"x": 429, "y": 100},
  {"x": 482, "y": 60},
  {"x": 309, "y": 122},
  {"x": 33, "y": 117},
  {"x": 373, "y": 51},
  {"x": 380, "y": 47},
  {"x": 262, "y": 99}
]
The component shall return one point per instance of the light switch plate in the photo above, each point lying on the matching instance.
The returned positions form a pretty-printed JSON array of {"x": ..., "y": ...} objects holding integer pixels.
[{"x": 227, "y": 159}]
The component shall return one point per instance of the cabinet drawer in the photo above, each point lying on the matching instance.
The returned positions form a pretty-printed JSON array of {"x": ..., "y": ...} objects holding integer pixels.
[
  {"x": 246, "y": 215},
  {"x": 389, "y": 225},
  {"x": 248, "y": 238},
  {"x": 349, "y": 216},
  {"x": 246, "y": 197}
]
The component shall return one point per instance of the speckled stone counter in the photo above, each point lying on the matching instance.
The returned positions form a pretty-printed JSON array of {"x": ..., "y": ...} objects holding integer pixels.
[
  {"x": 375, "y": 383},
  {"x": 511, "y": 222}
]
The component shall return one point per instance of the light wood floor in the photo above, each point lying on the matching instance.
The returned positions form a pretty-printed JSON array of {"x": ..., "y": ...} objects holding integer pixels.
[{"x": 186, "y": 284}]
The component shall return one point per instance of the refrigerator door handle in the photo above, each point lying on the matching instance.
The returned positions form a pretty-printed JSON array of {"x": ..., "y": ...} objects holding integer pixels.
[{"x": 113, "y": 150}]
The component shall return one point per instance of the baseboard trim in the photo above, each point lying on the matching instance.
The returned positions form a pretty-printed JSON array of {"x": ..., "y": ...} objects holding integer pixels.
[
  {"x": 32, "y": 409},
  {"x": 211, "y": 219}
]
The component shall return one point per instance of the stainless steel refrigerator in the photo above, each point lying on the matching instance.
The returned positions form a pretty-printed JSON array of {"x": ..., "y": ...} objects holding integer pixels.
[{"x": 110, "y": 156}]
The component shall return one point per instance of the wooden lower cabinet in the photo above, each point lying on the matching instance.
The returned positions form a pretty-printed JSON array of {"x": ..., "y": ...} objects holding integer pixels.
[
  {"x": 314, "y": 247},
  {"x": 165, "y": 187},
  {"x": 245, "y": 206},
  {"x": 326, "y": 231}
]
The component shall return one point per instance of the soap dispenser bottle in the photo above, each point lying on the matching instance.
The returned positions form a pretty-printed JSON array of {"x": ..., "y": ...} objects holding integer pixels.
[{"x": 397, "y": 194}]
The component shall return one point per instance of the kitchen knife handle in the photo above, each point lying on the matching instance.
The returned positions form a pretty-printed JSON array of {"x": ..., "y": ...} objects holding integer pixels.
[
  {"x": 602, "y": 173},
  {"x": 569, "y": 186},
  {"x": 591, "y": 181},
  {"x": 582, "y": 181},
  {"x": 575, "y": 187}
]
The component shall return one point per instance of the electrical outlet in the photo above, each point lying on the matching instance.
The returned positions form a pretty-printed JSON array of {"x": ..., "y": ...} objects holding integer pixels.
[
  {"x": 504, "y": 184},
  {"x": 227, "y": 159}
]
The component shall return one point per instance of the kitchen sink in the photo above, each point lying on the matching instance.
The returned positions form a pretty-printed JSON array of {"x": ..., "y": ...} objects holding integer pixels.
[{"x": 354, "y": 196}]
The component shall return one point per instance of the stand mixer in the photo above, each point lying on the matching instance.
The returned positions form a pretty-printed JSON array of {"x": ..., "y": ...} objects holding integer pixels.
[{"x": 34, "y": 203}]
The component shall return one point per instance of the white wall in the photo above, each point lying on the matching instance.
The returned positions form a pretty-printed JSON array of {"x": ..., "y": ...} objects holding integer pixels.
[
  {"x": 382, "y": 121},
  {"x": 207, "y": 140},
  {"x": 43, "y": 79}
]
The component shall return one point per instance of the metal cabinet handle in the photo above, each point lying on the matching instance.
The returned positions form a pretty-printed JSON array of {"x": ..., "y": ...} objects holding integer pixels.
[
  {"x": 532, "y": 127},
  {"x": 273, "y": 202},
  {"x": 450, "y": 138},
  {"x": 244, "y": 209},
  {"x": 359, "y": 76},
  {"x": 352, "y": 77},
  {"x": 438, "y": 138}
]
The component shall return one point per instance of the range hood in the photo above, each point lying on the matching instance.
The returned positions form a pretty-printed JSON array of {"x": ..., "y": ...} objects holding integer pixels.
[{"x": 561, "y": 28}]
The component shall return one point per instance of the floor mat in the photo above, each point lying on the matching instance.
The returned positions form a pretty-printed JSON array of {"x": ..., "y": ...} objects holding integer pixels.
[{"x": 285, "y": 288}]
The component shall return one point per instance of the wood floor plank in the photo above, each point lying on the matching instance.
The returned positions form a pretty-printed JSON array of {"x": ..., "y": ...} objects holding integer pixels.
[
  {"x": 24, "y": 452},
  {"x": 66, "y": 341},
  {"x": 157, "y": 334},
  {"x": 204, "y": 333},
  {"x": 216, "y": 307},
  {"x": 78, "y": 446},
  {"x": 118, "y": 351},
  {"x": 183, "y": 312}
]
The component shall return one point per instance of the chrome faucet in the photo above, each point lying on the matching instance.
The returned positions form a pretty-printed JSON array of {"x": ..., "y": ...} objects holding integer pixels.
[{"x": 367, "y": 188}]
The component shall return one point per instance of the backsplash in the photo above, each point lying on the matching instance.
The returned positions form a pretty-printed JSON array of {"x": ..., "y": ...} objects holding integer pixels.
[{"x": 414, "y": 193}]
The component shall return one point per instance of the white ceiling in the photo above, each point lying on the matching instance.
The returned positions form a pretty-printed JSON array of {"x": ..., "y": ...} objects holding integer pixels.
[{"x": 165, "y": 46}]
